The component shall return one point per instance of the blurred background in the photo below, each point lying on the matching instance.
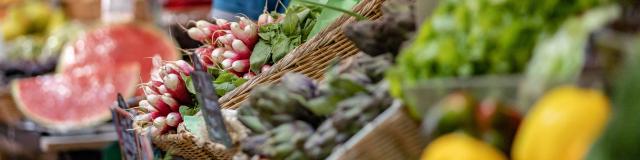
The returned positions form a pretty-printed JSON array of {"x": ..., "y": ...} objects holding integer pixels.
[{"x": 489, "y": 69}]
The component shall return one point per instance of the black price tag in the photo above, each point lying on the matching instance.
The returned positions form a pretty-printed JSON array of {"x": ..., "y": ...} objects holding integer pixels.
[
  {"x": 132, "y": 145},
  {"x": 209, "y": 105}
]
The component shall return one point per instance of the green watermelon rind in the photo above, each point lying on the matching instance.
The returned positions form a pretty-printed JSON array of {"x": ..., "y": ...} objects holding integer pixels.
[
  {"x": 63, "y": 127},
  {"x": 163, "y": 37}
]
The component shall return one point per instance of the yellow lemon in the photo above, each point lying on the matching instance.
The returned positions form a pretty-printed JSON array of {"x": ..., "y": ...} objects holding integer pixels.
[
  {"x": 562, "y": 125},
  {"x": 459, "y": 146}
]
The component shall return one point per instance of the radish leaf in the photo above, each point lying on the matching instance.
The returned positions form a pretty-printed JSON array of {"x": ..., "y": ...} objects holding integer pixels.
[
  {"x": 188, "y": 111},
  {"x": 260, "y": 55},
  {"x": 239, "y": 81},
  {"x": 189, "y": 83},
  {"x": 223, "y": 88},
  {"x": 280, "y": 47}
]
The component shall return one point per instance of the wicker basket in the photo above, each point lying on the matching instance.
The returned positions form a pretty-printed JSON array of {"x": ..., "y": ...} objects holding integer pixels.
[
  {"x": 185, "y": 145},
  {"x": 392, "y": 135},
  {"x": 311, "y": 58}
]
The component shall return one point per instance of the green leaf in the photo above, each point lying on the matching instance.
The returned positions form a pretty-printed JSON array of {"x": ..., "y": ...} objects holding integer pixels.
[
  {"x": 280, "y": 48},
  {"x": 290, "y": 24},
  {"x": 322, "y": 105},
  {"x": 189, "y": 83},
  {"x": 267, "y": 32},
  {"x": 327, "y": 16},
  {"x": 224, "y": 77},
  {"x": 239, "y": 81},
  {"x": 260, "y": 55},
  {"x": 196, "y": 126},
  {"x": 188, "y": 111},
  {"x": 168, "y": 156},
  {"x": 308, "y": 26},
  {"x": 266, "y": 35},
  {"x": 224, "y": 88},
  {"x": 295, "y": 42},
  {"x": 215, "y": 72}
]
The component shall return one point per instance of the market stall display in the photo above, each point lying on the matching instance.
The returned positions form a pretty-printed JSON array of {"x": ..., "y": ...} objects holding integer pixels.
[{"x": 337, "y": 79}]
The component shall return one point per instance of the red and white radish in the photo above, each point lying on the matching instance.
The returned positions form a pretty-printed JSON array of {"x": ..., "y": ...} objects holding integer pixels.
[
  {"x": 226, "y": 44},
  {"x": 240, "y": 65},
  {"x": 217, "y": 53},
  {"x": 186, "y": 67},
  {"x": 240, "y": 48},
  {"x": 203, "y": 53},
  {"x": 249, "y": 75},
  {"x": 203, "y": 24},
  {"x": 199, "y": 34},
  {"x": 173, "y": 119},
  {"x": 265, "y": 18},
  {"x": 156, "y": 101},
  {"x": 223, "y": 24},
  {"x": 146, "y": 106},
  {"x": 176, "y": 88},
  {"x": 247, "y": 34},
  {"x": 265, "y": 68},
  {"x": 143, "y": 117},
  {"x": 226, "y": 63},
  {"x": 172, "y": 103},
  {"x": 162, "y": 89},
  {"x": 235, "y": 56},
  {"x": 217, "y": 33},
  {"x": 227, "y": 40},
  {"x": 149, "y": 89},
  {"x": 160, "y": 123}
]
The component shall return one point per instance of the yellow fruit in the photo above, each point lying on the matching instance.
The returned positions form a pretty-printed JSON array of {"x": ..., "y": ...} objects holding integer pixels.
[
  {"x": 562, "y": 125},
  {"x": 56, "y": 21},
  {"x": 459, "y": 146},
  {"x": 13, "y": 24},
  {"x": 37, "y": 12}
]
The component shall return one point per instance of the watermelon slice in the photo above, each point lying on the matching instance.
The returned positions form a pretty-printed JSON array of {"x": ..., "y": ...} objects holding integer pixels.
[
  {"x": 118, "y": 45},
  {"x": 74, "y": 99},
  {"x": 92, "y": 69}
]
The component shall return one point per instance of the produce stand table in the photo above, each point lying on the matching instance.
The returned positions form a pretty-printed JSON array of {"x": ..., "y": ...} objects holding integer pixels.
[{"x": 101, "y": 137}]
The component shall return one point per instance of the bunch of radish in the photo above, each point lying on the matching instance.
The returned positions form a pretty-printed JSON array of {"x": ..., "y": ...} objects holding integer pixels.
[
  {"x": 164, "y": 94},
  {"x": 227, "y": 45}
]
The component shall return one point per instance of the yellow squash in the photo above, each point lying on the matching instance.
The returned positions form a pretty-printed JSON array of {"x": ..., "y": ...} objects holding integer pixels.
[
  {"x": 459, "y": 146},
  {"x": 562, "y": 125}
]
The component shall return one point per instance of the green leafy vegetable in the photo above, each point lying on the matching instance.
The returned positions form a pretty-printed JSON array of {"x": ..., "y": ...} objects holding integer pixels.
[
  {"x": 226, "y": 82},
  {"x": 195, "y": 125},
  {"x": 280, "y": 47},
  {"x": 358, "y": 16},
  {"x": 239, "y": 81},
  {"x": 215, "y": 72},
  {"x": 189, "y": 111},
  {"x": 189, "y": 83},
  {"x": 464, "y": 38},
  {"x": 261, "y": 54},
  {"x": 290, "y": 24},
  {"x": 223, "y": 88},
  {"x": 327, "y": 16},
  {"x": 278, "y": 39}
]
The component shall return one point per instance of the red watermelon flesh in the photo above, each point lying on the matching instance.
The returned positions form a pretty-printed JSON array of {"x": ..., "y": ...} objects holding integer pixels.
[
  {"x": 118, "y": 45},
  {"x": 78, "y": 98},
  {"x": 91, "y": 70}
]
